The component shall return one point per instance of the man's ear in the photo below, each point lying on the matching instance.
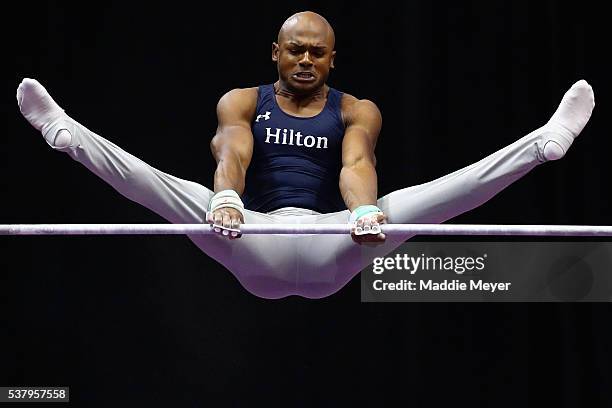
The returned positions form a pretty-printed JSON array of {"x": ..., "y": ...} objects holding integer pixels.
[
  {"x": 333, "y": 57},
  {"x": 275, "y": 50}
]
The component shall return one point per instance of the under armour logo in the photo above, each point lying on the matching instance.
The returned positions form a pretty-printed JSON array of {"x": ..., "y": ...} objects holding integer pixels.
[{"x": 266, "y": 116}]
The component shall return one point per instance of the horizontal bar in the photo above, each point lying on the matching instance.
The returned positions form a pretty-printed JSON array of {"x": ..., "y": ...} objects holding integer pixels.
[{"x": 301, "y": 229}]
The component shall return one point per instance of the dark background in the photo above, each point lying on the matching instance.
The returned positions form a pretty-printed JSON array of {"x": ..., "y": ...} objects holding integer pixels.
[{"x": 135, "y": 321}]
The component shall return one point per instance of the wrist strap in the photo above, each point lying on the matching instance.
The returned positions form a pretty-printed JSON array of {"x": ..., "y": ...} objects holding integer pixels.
[
  {"x": 363, "y": 210},
  {"x": 226, "y": 199}
]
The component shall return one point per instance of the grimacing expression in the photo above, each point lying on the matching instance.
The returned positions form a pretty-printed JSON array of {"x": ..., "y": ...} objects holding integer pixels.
[{"x": 304, "y": 58}]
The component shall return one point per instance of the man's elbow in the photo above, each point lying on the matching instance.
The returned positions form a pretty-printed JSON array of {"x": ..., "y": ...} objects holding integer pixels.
[
  {"x": 222, "y": 150},
  {"x": 365, "y": 161},
  {"x": 215, "y": 147}
]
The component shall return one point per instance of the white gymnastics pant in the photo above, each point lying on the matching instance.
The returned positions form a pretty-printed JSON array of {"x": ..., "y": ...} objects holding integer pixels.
[{"x": 314, "y": 266}]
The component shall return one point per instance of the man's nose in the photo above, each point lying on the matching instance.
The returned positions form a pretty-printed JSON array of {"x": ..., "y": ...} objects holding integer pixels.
[{"x": 306, "y": 59}]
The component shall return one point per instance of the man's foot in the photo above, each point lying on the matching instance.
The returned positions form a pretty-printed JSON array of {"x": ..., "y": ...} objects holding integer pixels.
[
  {"x": 37, "y": 106},
  {"x": 569, "y": 119}
]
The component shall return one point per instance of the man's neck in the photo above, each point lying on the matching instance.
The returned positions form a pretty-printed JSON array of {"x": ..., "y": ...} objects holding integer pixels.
[{"x": 297, "y": 99}]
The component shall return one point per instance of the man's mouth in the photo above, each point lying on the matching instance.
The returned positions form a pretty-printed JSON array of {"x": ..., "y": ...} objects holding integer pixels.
[{"x": 304, "y": 76}]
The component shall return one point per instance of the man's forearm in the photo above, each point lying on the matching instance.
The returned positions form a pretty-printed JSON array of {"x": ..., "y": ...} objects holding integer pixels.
[
  {"x": 358, "y": 185},
  {"x": 229, "y": 176}
]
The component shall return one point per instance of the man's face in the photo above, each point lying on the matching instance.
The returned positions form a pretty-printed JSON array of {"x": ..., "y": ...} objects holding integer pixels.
[{"x": 304, "y": 57}]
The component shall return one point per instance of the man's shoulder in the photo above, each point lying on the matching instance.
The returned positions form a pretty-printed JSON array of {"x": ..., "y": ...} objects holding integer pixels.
[
  {"x": 240, "y": 100},
  {"x": 352, "y": 106},
  {"x": 241, "y": 94}
]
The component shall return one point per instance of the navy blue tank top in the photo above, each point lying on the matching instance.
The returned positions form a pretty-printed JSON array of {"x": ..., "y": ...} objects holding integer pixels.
[{"x": 296, "y": 161}]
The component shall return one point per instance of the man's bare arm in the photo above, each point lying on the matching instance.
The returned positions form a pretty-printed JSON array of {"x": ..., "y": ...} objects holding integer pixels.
[
  {"x": 232, "y": 146},
  {"x": 358, "y": 181}
]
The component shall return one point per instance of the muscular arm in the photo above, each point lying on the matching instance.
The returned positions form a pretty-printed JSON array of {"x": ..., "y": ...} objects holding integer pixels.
[
  {"x": 358, "y": 182},
  {"x": 232, "y": 146}
]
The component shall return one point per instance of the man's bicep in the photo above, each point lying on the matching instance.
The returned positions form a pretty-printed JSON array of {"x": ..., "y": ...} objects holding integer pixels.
[
  {"x": 234, "y": 136},
  {"x": 236, "y": 106},
  {"x": 233, "y": 139},
  {"x": 362, "y": 134},
  {"x": 368, "y": 119},
  {"x": 356, "y": 147}
]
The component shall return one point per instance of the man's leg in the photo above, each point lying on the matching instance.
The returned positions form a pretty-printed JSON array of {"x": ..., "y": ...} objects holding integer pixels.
[
  {"x": 442, "y": 199},
  {"x": 472, "y": 186},
  {"x": 263, "y": 264}
]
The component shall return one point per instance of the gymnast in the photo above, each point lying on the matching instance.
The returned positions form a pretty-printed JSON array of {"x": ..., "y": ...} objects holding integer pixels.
[{"x": 300, "y": 152}]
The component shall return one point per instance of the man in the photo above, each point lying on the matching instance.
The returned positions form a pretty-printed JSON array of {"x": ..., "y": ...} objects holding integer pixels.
[
  {"x": 298, "y": 151},
  {"x": 345, "y": 129}
]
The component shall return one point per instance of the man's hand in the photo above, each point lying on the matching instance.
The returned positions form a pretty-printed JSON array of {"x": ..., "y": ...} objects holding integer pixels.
[
  {"x": 366, "y": 223},
  {"x": 226, "y": 221}
]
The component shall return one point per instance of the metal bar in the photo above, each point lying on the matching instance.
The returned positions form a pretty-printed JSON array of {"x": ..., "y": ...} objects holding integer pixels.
[{"x": 301, "y": 229}]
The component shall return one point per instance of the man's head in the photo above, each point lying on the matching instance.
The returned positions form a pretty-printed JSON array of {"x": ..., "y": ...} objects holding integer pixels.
[{"x": 304, "y": 52}]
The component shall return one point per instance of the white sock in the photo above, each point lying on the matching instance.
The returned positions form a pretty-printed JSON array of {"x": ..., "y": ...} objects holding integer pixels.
[
  {"x": 37, "y": 106},
  {"x": 568, "y": 120}
]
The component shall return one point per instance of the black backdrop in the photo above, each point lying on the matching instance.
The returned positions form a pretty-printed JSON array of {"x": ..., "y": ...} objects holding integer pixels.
[{"x": 150, "y": 320}]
